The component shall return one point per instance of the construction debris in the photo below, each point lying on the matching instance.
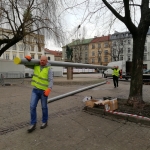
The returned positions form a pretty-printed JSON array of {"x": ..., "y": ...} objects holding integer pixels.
[{"x": 106, "y": 104}]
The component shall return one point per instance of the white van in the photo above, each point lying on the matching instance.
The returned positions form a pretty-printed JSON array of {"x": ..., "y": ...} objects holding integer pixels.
[{"x": 120, "y": 64}]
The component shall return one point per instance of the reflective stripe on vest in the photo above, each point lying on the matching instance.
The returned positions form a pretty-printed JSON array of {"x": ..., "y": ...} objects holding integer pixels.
[
  {"x": 40, "y": 78},
  {"x": 116, "y": 72}
]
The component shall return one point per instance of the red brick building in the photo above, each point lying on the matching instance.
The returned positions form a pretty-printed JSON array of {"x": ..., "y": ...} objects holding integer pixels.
[{"x": 57, "y": 54}]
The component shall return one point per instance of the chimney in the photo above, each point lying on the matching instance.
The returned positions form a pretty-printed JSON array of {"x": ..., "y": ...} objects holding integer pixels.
[{"x": 95, "y": 36}]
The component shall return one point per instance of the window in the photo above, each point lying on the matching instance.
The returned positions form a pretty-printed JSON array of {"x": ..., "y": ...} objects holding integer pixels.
[
  {"x": 114, "y": 43},
  {"x": 106, "y": 59},
  {"x": 129, "y": 50},
  {"x": 32, "y": 55},
  {"x": 121, "y": 50},
  {"x": 99, "y": 45},
  {"x": 39, "y": 56},
  {"x": 32, "y": 48},
  {"x": 145, "y": 57},
  {"x": 121, "y": 57},
  {"x": 14, "y": 55},
  {"x": 21, "y": 55},
  {"x": 129, "y": 58},
  {"x": 14, "y": 47},
  {"x": 21, "y": 47},
  {"x": 49, "y": 58},
  {"x": 7, "y": 56},
  {"x": 86, "y": 47},
  {"x": 106, "y": 52},
  {"x": 93, "y": 60},
  {"x": 145, "y": 48},
  {"x": 129, "y": 42},
  {"x": 114, "y": 51},
  {"x": 93, "y": 53},
  {"x": 93, "y": 46},
  {"x": 121, "y": 42},
  {"x": 106, "y": 44},
  {"x": 39, "y": 48}
]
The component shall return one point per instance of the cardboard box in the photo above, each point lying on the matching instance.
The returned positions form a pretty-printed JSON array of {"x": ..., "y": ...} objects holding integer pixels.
[
  {"x": 107, "y": 105},
  {"x": 90, "y": 103},
  {"x": 113, "y": 104},
  {"x": 104, "y": 103}
]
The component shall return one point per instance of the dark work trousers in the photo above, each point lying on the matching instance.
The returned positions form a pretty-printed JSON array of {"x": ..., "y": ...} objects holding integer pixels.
[{"x": 115, "y": 80}]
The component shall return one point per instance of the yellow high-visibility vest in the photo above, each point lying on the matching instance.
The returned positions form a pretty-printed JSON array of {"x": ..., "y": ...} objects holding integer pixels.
[
  {"x": 116, "y": 72},
  {"x": 40, "y": 78}
]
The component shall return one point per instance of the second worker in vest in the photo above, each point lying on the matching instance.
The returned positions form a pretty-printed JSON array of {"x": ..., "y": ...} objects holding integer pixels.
[
  {"x": 42, "y": 82},
  {"x": 116, "y": 73}
]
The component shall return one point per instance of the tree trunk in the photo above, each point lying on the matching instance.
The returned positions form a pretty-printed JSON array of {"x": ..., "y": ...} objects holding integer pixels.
[{"x": 136, "y": 85}]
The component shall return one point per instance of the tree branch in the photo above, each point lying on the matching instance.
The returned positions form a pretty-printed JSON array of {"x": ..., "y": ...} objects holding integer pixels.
[
  {"x": 128, "y": 22},
  {"x": 113, "y": 11}
]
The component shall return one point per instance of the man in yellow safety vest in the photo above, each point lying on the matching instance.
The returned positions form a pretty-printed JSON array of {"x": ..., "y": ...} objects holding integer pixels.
[
  {"x": 116, "y": 73},
  {"x": 42, "y": 82}
]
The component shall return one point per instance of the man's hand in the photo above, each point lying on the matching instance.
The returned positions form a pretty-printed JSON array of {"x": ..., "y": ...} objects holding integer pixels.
[
  {"x": 28, "y": 57},
  {"x": 47, "y": 92}
]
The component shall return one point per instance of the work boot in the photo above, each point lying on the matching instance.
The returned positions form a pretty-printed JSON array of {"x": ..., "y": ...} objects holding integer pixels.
[
  {"x": 44, "y": 125},
  {"x": 31, "y": 128}
]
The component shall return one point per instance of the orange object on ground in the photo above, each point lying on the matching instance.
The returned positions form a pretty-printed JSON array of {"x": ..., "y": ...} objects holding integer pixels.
[
  {"x": 47, "y": 92},
  {"x": 28, "y": 57}
]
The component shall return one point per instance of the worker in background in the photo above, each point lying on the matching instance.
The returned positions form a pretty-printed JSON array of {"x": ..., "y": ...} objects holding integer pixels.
[
  {"x": 103, "y": 73},
  {"x": 2, "y": 80},
  {"x": 116, "y": 73},
  {"x": 42, "y": 82}
]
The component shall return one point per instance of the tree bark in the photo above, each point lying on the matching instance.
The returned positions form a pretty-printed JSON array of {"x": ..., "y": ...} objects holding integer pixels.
[
  {"x": 136, "y": 85},
  {"x": 9, "y": 44}
]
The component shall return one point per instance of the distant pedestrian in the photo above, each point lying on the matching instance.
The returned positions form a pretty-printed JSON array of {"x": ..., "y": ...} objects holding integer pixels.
[
  {"x": 2, "y": 80},
  {"x": 102, "y": 73},
  {"x": 116, "y": 73}
]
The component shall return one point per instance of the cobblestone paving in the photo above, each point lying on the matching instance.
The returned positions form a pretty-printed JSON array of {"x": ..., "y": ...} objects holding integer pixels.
[{"x": 69, "y": 128}]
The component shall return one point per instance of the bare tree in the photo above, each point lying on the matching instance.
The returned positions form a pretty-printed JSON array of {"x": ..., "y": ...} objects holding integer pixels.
[
  {"x": 125, "y": 11},
  {"x": 117, "y": 49},
  {"x": 25, "y": 17},
  {"x": 139, "y": 33}
]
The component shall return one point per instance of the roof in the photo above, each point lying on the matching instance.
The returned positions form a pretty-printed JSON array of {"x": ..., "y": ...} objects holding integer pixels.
[
  {"x": 56, "y": 53},
  {"x": 100, "y": 39},
  {"x": 79, "y": 42}
]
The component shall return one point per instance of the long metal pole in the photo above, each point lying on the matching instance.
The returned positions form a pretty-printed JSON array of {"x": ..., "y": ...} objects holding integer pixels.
[
  {"x": 74, "y": 92},
  {"x": 17, "y": 60}
]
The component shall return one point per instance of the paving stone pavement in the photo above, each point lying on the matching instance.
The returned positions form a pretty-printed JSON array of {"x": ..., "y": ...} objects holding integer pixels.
[{"x": 69, "y": 128}]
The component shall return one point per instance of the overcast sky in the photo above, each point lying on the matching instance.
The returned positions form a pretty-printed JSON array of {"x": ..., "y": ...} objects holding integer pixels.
[{"x": 98, "y": 25}]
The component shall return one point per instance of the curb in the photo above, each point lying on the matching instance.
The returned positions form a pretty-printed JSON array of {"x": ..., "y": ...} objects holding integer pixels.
[{"x": 118, "y": 115}]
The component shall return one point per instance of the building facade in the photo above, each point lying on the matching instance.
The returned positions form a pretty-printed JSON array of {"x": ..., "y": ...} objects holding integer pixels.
[
  {"x": 32, "y": 45},
  {"x": 122, "y": 47},
  {"x": 80, "y": 49},
  {"x": 57, "y": 54},
  {"x": 100, "y": 51}
]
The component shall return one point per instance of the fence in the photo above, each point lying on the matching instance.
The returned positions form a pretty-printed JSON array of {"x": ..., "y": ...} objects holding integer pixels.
[
  {"x": 8, "y": 78},
  {"x": 80, "y": 70}
]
